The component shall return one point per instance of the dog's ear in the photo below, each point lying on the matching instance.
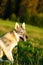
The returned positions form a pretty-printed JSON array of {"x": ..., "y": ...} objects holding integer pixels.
[
  {"x": 16, "y": 26},
  {"x": 23, "y": 25}
]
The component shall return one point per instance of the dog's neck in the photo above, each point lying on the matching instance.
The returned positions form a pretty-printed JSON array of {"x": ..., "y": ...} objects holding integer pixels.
[{"x": 17, "y": 36}]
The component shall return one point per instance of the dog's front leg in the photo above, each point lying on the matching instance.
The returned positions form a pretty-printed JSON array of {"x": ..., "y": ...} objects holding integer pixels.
[
  {"x": 7, "y": 51},
  {"x": 10, "y": 56}
]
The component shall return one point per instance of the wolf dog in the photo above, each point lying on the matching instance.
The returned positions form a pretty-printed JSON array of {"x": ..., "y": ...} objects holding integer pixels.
[{"x": 10, "y": 40}]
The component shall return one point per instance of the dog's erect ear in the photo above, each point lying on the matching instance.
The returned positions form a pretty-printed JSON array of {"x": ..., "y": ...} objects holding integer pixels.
[
  {"x": 16, "y": 26},
  {"x": 23, "y": 25}
]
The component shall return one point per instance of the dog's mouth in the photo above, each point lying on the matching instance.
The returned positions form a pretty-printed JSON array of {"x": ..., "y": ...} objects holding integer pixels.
[
  {"x": 21, "y": 38},
  {"x": 24, "y": 38}
]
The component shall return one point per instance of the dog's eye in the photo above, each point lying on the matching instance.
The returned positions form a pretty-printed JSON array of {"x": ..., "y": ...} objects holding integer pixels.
[{"x": 18, "y": 31}]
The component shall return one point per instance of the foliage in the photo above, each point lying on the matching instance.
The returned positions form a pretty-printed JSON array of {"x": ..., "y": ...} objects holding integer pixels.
[
  {"x": 28, "y": 55},
  {"x": 32, "y": 19},
  {"x": 20, "y": 6},
  {"x": 14, "y": 18}
]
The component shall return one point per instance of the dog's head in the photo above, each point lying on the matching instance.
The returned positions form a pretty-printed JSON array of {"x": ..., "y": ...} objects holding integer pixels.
[{"x": 20, "y": 30}]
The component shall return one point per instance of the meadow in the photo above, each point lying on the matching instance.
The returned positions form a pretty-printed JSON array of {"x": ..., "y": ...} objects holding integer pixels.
[{"x": 29, "y": 52}]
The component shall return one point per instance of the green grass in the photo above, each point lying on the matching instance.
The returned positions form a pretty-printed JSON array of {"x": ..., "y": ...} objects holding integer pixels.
[{"x": 32, "y": 50}]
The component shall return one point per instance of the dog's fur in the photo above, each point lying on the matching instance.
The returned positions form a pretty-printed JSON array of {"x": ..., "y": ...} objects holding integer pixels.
[{"x": 10, "y": 40}]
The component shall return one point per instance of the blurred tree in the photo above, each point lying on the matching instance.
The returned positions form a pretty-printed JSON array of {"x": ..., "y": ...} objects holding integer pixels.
[
  {"x": 23, "y": 7},
  {"x": 33, "y": 6},
  {"x": 2, "y": 7},
  {"x": 0, "y": 2},
  {"x": 40, "y": 6},
  {"x": 20, "y": 7},
  {"x": 28, "y": 5},
  {"x": 8, "y": 10},
  {"x": 17, "y": 7},
  {"x": 13, "y": 3}
]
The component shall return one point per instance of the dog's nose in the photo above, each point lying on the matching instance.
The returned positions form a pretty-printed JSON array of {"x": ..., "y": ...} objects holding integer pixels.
[{"x": 26, "y": 37}]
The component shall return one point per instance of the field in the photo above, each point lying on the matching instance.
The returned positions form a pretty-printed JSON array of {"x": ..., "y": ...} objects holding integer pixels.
[{"x": 29, "y": 52}]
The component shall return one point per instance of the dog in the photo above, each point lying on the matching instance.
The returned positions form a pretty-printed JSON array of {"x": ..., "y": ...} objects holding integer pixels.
[{"x": 10, "y": 40}]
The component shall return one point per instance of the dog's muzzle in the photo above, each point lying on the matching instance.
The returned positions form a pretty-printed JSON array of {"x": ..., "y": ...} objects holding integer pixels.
[
  {"x": 24, "y": 38},
  {"x": 21, "y": 38}
]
